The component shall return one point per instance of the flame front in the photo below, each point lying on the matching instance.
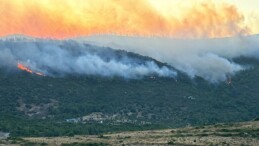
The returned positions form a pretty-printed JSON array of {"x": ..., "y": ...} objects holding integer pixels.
[
  {"x": 24, "y": 68},
  {"x": 39, "y": 74}
]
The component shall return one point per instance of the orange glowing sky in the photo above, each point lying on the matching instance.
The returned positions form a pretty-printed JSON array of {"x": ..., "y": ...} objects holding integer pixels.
[{"x": 170, "y": 18}]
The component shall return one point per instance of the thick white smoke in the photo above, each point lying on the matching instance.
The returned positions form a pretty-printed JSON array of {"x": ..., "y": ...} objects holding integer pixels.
[
  {"x": 210, "y": 59},
  {"x": 68, "y": 57}
]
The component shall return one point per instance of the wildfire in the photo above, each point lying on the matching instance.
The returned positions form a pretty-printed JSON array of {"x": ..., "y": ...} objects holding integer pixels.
[
  {"x": 24, "y": 68},
  {"x": 40, "y": 74}
]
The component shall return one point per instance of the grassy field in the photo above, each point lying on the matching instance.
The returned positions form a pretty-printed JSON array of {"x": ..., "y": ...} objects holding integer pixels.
[{"x": 245, "y": 133}]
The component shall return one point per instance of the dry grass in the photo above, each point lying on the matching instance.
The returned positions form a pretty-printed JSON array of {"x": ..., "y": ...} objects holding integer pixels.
[{"x": 221, "y": 134}]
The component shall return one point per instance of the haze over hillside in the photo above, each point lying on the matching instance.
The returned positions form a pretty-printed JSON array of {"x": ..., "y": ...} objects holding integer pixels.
[
  {"x": 211, "y": 59},
  {"x": 58, "y": 58},
  {"x": 67, "y": 87}
]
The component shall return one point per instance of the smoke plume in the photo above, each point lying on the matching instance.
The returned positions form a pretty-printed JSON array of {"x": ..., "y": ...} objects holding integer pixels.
[
  {"x": 58, "y": 58},
  {"x": 211, "y": 59}
]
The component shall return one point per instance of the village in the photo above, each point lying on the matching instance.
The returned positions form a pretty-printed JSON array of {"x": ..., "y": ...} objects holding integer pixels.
[{"x": 114, "y": 119}]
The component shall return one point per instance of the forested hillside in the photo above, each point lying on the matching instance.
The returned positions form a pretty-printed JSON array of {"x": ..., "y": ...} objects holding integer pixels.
[{"x": 33, "y": 105}]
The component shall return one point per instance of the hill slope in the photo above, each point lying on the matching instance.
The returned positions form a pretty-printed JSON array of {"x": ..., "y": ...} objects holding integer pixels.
[{"x": 69, "y": 104}]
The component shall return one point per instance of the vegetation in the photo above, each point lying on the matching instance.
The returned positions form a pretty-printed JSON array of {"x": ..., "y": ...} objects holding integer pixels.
[
  {"x": 32, "y": 105},
  {"x": 223, "y": 134},
  {"x": 85, "y": 144}
]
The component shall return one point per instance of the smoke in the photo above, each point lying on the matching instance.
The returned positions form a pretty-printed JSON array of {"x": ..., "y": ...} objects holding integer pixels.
[
  {"x": 211, "y": 59},
  {"x": 58, "y": 58},
  {"x": 67, "y": 18},
  {"x": 209, "y": 66}
]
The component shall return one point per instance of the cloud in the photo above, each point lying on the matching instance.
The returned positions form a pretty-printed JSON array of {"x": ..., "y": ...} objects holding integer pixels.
[{"x": 58, "y": 58}]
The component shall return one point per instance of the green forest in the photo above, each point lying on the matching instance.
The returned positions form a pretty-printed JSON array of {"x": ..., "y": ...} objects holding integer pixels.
[{"x": 32, "y": 105}]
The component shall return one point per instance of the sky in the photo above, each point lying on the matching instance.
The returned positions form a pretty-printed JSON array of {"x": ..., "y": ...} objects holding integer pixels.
[
  {"x": 168, "y": 18},
  {"x": 112, "y": 23}
]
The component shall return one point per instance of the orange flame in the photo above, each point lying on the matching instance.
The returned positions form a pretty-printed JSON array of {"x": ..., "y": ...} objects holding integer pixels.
[{"x": 24, "y": 68}]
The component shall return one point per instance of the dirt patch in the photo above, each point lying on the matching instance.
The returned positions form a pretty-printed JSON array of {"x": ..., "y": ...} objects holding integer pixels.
[{"x": 32, "y": 110}]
